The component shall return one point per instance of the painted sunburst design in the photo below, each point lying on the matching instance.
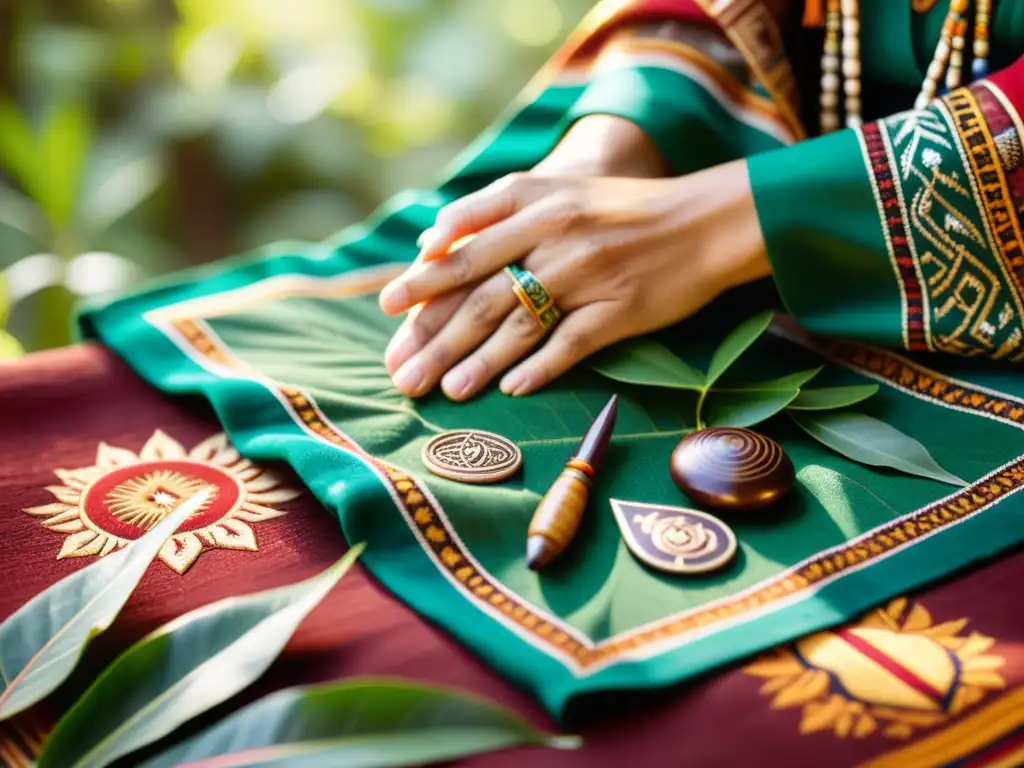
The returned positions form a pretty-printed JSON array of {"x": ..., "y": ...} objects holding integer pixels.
[
  {"x": 103, "y": 507},
  {"x": 893, "y": 672}
]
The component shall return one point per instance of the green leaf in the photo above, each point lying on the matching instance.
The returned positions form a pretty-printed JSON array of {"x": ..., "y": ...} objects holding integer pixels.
[
  {"x": 791, "y": 381},
  {"x": 736, "y": 343},
  {"x": 870, "y": 441},
  {"x": 41, "y": 643},
  {"x": 18, "y": 150},
  {"x": 745, "y": 405},
  {"x": 745, "y": 409},
  {"x": 182, "y": 670},
  {"x": 10, "y": 347},
  {"x": 378, "y": 723},
  {"x": 829, "y": 398},
  {"x": 644, "y": 361},
  {"x": 63, "y": 144}
]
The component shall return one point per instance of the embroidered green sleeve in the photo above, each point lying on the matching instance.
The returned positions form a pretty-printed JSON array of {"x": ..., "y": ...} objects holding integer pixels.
[
  {"x": 907, "y": 233},
  {"x": 692, "y": 93}
]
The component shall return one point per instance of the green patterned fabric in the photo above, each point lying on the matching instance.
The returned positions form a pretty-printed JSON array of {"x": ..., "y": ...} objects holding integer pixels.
[
  {"x": 929, "y": 252},
  {"x": 290, "y": 354},
  {"x": 287, "y": 345}
]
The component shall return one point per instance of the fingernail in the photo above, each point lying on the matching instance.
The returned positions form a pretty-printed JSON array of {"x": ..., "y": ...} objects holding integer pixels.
[
  {"x": 394, "y": 297},
  {"x": 410, "y": 378},
  {"x": 514, "y": 384},
  {"x": 425, "y": 237},
  {"x": 456, "y": 384}
]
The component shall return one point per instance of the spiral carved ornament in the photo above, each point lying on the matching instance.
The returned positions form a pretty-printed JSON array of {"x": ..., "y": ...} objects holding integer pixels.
[{"x": 731, "y": 468}]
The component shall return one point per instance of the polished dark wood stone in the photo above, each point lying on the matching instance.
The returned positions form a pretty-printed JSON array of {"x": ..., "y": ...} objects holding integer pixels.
[{"x": 728, "y": 468}]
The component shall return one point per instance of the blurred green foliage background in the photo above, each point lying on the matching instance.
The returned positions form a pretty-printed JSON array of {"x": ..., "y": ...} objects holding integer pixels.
[{"x": 138, "y": 137}]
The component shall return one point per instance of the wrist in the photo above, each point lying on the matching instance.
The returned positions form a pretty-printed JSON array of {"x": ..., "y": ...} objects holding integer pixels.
[
  {"x": 733, "y": 249},
  {"x": 605, "y": 145}
]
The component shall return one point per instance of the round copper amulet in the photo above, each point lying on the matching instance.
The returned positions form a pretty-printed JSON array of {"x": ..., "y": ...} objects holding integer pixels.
[{"x": 728, "y": 468}]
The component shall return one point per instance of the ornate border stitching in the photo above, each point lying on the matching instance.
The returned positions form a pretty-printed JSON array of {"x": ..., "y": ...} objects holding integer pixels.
[
  {"x": 890, "y": 209},
  {"x": 993, "y": 192},
  {"x": 579, "y": 651},
  {"x": 912, "y": 378},
  {"x": 924, "y": 383}
]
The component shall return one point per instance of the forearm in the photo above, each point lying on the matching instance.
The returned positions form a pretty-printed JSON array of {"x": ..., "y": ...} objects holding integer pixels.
[{"x": 906, "y": 233}]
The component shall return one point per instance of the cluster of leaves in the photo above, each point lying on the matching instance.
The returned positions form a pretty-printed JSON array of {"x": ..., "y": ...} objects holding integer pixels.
[
  {"x": 205, "y": 657},
  {"x": 817, "y": 411}
]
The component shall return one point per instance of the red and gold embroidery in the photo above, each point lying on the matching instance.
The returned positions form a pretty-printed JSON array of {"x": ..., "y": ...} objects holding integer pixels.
[
  {"x": 103, "y": 507},
  {"x": 948, "y": 187},
  {"x": 893, "y": 672},
  {"x": 987, "y": 162},
  {"x": 887, "y": 195}
]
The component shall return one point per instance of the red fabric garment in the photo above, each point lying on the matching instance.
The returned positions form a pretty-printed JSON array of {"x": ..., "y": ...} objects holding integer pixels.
[
  {"x": 56, "y": 409},
  {"x": 1011, "y": 82}
]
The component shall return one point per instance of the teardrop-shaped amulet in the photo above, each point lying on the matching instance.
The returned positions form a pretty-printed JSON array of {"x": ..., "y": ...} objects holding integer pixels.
[{"x": 731, "y": 468}]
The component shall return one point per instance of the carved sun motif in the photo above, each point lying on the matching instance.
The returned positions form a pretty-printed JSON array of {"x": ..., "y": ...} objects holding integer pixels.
[
  {"x": 103, "y": 507},
  {"x": 894, "y": 671}
]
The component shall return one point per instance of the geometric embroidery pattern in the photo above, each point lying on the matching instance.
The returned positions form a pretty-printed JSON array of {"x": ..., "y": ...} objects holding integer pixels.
[{"x": 947, "y": 182}]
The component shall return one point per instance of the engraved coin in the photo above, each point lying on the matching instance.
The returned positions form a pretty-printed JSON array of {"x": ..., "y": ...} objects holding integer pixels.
[
  {"x": 674, "y": 539},
  {"x": 472, "y": 456}
]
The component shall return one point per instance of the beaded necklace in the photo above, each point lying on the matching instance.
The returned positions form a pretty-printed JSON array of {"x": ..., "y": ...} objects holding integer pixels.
[{"x": 841, "y": 19}]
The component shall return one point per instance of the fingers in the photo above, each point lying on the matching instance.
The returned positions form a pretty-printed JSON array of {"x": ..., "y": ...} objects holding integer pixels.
[
  {"x": 487, "y": 253},
  {"x": 480, "y": 234},
  {"x": 476, "y": 211},
  {"x": 518, "y": 334},
  {"x": 576, "y": 337},
  {"x": 420, "y": 326},
  {"x": 476, "y": 317}
]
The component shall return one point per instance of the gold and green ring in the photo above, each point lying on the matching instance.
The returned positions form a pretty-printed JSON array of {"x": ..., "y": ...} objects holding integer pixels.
[{"x": 534, "y": 296}]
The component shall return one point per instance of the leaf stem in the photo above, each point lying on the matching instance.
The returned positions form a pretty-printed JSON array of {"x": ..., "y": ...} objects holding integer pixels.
[{"x": 700, "y": 405}]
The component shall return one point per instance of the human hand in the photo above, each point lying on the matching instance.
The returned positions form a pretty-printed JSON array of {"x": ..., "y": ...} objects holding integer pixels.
[{"x": 621, "y": 257}]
